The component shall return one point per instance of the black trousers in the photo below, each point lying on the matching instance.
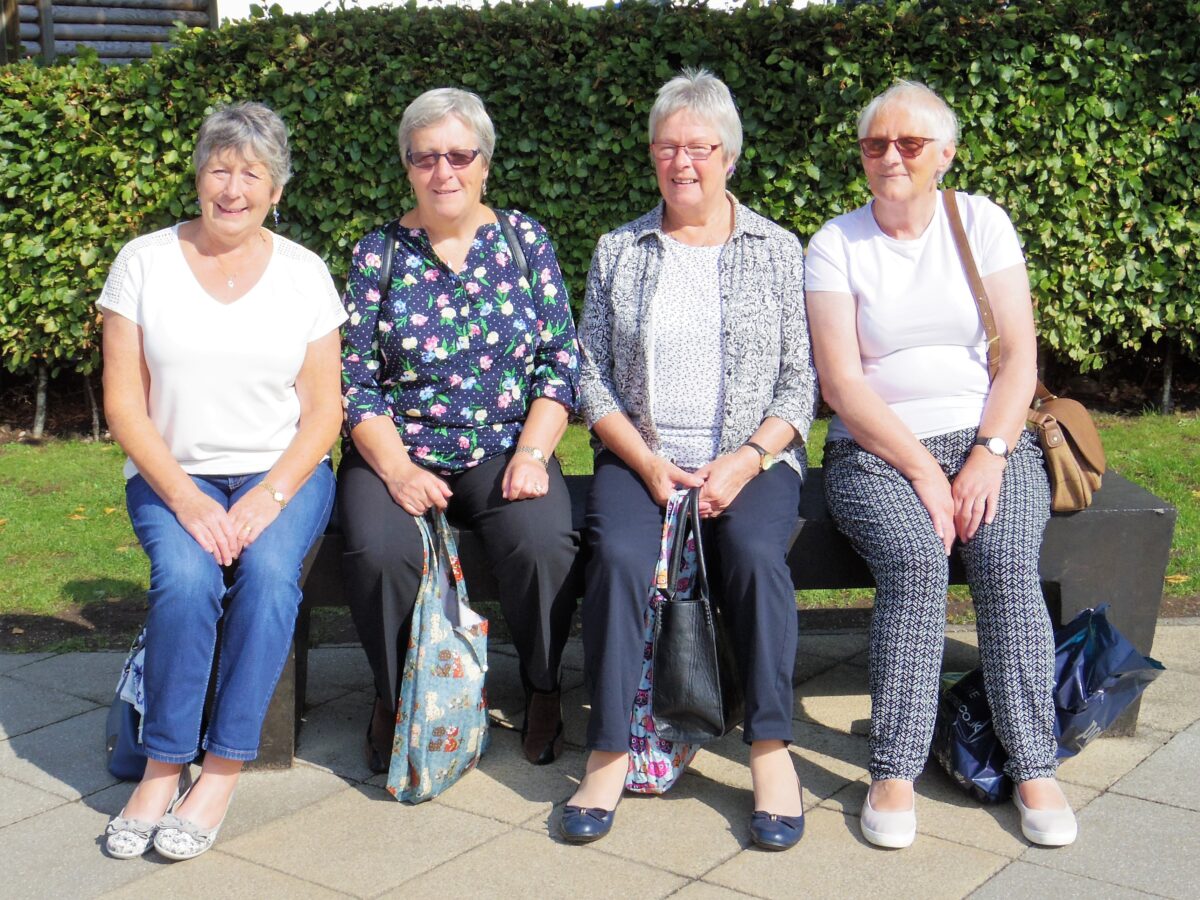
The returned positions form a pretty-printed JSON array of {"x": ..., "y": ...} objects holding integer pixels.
[
  {"x": 530, "y": 547},
  {"x": 746, "y": 552}
]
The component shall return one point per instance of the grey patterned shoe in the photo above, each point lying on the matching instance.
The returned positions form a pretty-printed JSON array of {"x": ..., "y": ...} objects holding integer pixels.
[
  {"x": 178, "y": 838},
  {"x": 130, "y": 838}
]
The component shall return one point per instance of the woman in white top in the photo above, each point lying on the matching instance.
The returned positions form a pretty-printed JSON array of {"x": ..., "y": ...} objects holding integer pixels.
[
  {"x": 221, "y": 384},
  {"x": 926, "y": 452}
]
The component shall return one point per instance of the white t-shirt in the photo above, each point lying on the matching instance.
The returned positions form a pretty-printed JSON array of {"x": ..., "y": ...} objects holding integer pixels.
[
  {"x": 222, "y": 375},
  {"x": 687, "y": 392},
  {"x": 922, "y": 344}
]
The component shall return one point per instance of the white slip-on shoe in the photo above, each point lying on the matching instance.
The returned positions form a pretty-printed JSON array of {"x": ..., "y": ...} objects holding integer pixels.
[
  {"x": 893, "y": 830},
  {"x": 1047, "y": 827}
]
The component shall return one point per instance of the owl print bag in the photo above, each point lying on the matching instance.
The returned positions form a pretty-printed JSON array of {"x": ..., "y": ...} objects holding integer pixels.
[
  {"x": 655, "y": 764},
  {"x": 441, "y": 717}
]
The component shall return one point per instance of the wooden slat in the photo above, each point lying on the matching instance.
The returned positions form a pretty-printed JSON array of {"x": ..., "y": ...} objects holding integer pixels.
[
  {"x": 94, "y": 16},
  {"x": 141, "y": 49},
  {"x": 27, "y": 12},
  {"x": 30, "y": 31},
  {"x": 183, "y": 5},
  {"x": 112, "y": 32}
]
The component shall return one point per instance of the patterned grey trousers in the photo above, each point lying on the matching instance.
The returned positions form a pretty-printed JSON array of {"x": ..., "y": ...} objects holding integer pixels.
[{"x": 878, "y": 510}]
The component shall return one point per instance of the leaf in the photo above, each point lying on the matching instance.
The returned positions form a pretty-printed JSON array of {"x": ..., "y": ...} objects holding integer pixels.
[{"x": 1177, "y": 579}]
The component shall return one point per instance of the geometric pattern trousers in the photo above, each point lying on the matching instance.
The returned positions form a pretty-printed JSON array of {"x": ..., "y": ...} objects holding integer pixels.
[{"x": 878, "y": 510}]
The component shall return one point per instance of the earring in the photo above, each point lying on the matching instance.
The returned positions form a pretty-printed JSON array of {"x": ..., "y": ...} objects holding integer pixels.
[
  {"x": 485, "y": 189},
  {"x": 729, "y": 172},
  {"x": 276, "y": 213}
]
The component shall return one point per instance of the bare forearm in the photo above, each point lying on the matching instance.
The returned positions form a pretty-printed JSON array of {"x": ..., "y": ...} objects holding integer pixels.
[
  {"x": 878, "y": 430},
  {"x": 545, "y": 424},
  {"x": 619, "y": 435},
  {"x": 378, "y": 442}
]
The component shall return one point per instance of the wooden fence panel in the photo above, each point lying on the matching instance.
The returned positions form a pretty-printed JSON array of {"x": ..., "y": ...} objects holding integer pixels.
[{"x": 118, "y": 30}]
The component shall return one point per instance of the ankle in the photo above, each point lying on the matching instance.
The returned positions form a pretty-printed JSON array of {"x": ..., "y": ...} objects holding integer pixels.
[{"x": 891, "y": 795}]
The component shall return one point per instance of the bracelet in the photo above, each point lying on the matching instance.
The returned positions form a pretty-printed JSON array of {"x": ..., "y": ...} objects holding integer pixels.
[
  {"x": 277, "y": 496},
  {"x": 535, "y": 453}
]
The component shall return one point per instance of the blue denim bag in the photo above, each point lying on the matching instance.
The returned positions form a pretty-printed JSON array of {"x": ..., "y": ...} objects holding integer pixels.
[
  {"x": 123, "y": 727},
  {"x": 441, "y": 717}
]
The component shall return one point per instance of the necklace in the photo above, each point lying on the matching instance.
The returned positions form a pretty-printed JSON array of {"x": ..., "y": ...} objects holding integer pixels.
[{"x": 231, "y": 279}]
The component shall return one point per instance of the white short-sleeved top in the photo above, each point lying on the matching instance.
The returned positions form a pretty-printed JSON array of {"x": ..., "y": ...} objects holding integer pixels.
[
  {"x": 923, "y": 347},
  {"x": 222, "y": 375}
]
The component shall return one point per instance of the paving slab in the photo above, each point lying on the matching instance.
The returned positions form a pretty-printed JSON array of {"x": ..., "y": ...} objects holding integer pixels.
[
  {"x": 92, "y": 676},
  {"x": 1132, "y": 843},
  {"x": 1168, "y": 776},
  {"x": 1171, "y": 702},
  {"x": 547, "y": 870},
  {"x": 1022, "y": 879},
  {"x": 834, "y": 861},
  {"x": 826, "y": 760},
  {"x": 236, "y": 878},
  {"x": 810, "y": 665},
  {"x": 1107, "y": 759},
  {"x": 702, "y": 890},
  {"x": 707, "y": 822},
  {"x": 58, "y": 854},
  {"x": 837, "y": 699},
  {"x": 506, "y": 787},
  {"x": 1175, "y": 647},
  {"x": 10, "y": 661},
  {"x": 363, "y": 842},
  {"x": 334, "y": 734},
  {"x": 25, "y": 707},
  {"x": 66, "y": 758},
  {"x": 335, "y": 671},
  {"x": 20, "y": 801}
]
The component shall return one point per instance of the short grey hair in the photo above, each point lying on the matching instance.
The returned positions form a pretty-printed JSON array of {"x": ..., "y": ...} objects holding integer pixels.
[
  {"x": 924, "y": 103},
  {"x": 253, "y": 130},
  {"x": 701, "y": 92},
  {"x": 435, "y": 105}
]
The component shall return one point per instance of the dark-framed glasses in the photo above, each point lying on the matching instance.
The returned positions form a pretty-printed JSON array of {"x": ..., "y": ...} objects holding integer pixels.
[
  {"x": 427, "y": 159},
  {"x": 695, "y": 152},
  {"x": 908, "y": 147}
]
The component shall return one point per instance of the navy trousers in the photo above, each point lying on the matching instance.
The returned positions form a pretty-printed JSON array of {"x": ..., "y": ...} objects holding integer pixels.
[{"x": 746, "y": 549}]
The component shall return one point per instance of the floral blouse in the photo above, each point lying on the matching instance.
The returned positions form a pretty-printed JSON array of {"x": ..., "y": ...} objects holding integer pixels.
[{"x": 455, "y": 359}]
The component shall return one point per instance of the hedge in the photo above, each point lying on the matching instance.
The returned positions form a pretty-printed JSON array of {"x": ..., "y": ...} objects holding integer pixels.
[{"x": 1079, "y": 117}]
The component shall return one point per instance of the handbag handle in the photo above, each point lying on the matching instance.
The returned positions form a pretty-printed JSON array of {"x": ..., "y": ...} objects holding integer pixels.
[
  {"x": 979, "y": 292},
  {"x": 689, "y": 524}
]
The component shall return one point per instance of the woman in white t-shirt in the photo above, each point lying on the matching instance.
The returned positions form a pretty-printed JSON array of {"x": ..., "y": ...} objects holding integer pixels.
[
  {"x": 221, "y": 384},
  {"x": 926, "y": 451}
]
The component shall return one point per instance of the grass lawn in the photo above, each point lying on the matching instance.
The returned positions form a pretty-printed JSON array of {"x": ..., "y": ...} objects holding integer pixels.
[{"x": 72, "y": 573}]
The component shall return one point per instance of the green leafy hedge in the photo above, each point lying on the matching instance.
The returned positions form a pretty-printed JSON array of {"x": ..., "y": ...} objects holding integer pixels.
[{"x": 1079, "y": 116}]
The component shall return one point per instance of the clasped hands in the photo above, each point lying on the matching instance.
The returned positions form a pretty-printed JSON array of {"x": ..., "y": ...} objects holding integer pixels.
[
  {"x": 720, "y": 481},
  {"x": 225, "y": 534}
]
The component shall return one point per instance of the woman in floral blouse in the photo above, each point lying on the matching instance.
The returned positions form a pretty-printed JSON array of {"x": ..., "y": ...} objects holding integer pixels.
[
  {"x": 457, "y": 385},
  {"x": 697, "y": 374}
]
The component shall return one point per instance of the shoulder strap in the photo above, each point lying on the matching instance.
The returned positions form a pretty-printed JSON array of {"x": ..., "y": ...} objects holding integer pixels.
[
  {"x": 391, "y": 233},
  {"x": 979, "y": 292},
  {"x": 514, "y": 244}
]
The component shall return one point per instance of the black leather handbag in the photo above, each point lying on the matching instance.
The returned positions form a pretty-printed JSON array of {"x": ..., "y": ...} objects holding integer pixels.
[{"x": 695, "y": 694}]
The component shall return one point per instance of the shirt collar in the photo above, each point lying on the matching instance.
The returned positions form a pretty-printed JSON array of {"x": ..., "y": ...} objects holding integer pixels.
[{"x": 745, "y": 222}]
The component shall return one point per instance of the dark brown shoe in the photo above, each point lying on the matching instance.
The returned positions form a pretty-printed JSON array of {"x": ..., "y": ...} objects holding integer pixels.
[
  {"x": 380, "y": 730},
  {"x": 542, "y": 734}
]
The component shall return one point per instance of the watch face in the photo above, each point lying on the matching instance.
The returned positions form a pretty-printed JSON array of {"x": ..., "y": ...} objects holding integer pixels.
[
  {"x": 997, "y": 447},
  {"x": 768, "y": 460}
]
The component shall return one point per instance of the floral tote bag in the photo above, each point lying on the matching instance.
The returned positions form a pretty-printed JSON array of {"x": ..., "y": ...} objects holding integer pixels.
[
  {"x": 441, "y": 717},
  {"x": 656, "y": 764}
]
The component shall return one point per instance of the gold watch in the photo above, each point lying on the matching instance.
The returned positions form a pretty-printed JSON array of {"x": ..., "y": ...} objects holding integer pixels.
[
  {"x": 276, "y": 495},
  {"x": 765, "y": 458}
]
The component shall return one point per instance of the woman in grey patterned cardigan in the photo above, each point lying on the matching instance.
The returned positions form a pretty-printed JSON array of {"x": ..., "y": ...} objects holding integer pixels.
[{"x": 698, "y": 373}]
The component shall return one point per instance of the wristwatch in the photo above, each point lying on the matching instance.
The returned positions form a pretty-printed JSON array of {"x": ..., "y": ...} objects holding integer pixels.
[
  {"x": 993, "y": 445},
  {"x": 765, "y": 459},
  {"x": 534, "y": 452},
  {"x": 277, "y": 496}
]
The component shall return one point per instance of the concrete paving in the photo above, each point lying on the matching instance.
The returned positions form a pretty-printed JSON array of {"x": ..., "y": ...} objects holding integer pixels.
[{"x": 327, "y": 828}]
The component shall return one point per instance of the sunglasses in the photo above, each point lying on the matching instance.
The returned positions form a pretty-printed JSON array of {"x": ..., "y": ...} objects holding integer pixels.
[
  {"x": 908, "y": 147},
  {"x": 458, "y": 159}
]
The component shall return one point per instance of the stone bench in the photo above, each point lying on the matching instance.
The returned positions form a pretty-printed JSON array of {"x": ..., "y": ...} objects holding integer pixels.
[{"x": 1114, "y": 552}]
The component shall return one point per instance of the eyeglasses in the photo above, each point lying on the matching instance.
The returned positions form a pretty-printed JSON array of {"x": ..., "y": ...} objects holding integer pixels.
[
  {"x": 696, "y": 152},
  {"x": 908, "y": 147},
  {"x": 458, "y": 159}
]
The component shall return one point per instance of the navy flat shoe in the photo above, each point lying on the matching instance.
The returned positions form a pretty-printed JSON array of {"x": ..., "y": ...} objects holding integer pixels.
[
  {"x": 580, "y": 825},
  {"x": 772, "y": 832}
]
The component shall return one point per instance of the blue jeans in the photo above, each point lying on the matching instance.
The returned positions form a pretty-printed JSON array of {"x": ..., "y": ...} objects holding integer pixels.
[{"x": 188, "y": 596}]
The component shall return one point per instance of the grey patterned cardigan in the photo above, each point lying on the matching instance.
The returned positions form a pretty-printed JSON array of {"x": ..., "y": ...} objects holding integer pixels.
[{"x": 767, "y": 361}]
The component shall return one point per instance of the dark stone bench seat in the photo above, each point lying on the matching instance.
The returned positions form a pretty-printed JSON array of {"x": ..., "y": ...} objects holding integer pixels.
[{"x": 1114, "y": 552}]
